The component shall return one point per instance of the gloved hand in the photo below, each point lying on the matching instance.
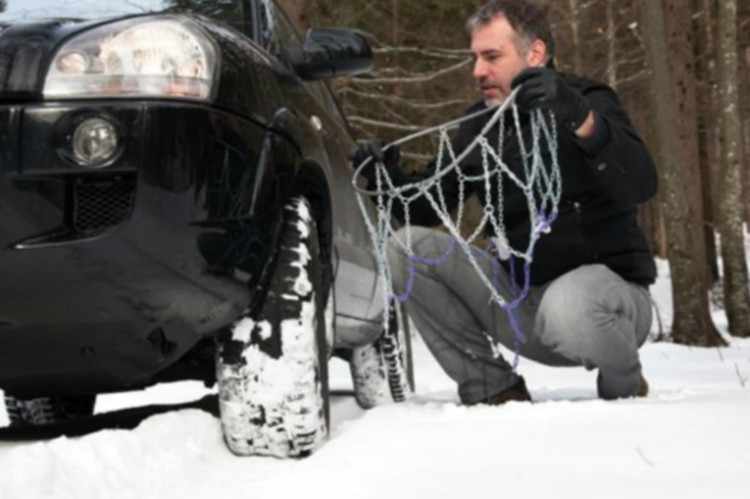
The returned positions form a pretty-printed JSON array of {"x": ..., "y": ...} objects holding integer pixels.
[
  {"x": 544, "y": 88},
  {"x": 390, "y": 158}
]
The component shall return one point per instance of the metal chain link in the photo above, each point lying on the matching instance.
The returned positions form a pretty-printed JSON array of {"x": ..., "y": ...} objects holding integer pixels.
[{"x": 542, "y": 187}]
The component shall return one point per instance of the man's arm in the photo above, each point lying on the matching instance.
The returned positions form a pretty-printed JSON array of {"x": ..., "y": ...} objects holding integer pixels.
[
  {"x": 447, "y": 189},
  {"x": 421, "y": 211},
  {"x": 614, "y": 150},
  {"x": 591, "y": 113}
]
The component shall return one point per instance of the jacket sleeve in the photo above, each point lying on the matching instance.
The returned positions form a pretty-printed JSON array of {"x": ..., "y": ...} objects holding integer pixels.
[{"x": 616, "y": 154}]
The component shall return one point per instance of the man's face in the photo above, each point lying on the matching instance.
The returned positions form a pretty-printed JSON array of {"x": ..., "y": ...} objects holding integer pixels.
[{"x": 497, "y": 59}]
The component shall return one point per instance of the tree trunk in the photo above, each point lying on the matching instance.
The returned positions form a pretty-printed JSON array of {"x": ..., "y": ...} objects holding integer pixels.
[
  {"x": 736, "y": 296},
  {"x": 692, "y": 321},
  {"x": 743, "y": 39},
  {"x": 708, "y": 143},
  {"x": 680, "y": 42},
  {"x": 745, "y": 113},
  {"x": 575, "y": 35}
]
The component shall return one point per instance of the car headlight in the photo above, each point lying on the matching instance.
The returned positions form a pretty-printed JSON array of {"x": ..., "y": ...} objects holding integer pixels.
[{"x": 135, "y": 58}]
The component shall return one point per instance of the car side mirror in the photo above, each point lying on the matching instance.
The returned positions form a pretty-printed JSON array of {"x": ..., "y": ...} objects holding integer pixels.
[{"x": 331, "y": 52}]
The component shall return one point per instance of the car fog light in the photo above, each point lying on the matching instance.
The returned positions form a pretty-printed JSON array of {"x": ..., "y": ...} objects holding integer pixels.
[{"x": 94, "y": 142}]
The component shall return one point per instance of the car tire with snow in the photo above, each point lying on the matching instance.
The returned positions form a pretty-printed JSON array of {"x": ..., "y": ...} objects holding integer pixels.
[
  {"x": 383, "y": 371},
  {"x": 272, "y": 366},
  {"x": 48, "y": 410}
]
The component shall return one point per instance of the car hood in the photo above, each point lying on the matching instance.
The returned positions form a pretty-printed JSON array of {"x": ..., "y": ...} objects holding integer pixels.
[{"x": 26, "y": 49}]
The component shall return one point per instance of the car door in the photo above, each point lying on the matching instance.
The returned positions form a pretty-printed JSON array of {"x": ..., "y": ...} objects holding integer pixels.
[
  {"x": 358, "y": 293},
  {"x": 356, "y": 284}
]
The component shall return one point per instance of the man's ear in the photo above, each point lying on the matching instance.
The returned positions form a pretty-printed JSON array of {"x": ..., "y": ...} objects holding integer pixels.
[{"x": 537, "y": 54}]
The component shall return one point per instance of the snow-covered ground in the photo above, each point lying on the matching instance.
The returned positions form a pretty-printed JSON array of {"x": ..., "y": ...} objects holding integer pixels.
[{"x": 688, "y": 439}]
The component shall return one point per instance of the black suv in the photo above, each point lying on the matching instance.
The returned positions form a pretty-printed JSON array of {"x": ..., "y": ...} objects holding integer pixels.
[{"x": 176, "y": 203}]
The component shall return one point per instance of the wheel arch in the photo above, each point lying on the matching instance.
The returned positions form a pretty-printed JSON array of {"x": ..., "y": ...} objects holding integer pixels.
[{"x": 311, "y": 177}]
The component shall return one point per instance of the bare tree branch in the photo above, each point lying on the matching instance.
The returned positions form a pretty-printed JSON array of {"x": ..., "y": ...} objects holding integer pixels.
[
  {"x": 415, "y": 79},
  {"x": 402, "y": 101},
  {"x": 416, "y": 156},
  {"x": 431, "y": 52},
  {"x": 384, "y": 124}
]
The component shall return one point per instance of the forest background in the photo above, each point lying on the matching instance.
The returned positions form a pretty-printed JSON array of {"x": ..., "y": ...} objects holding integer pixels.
[{"x": 682, "y": 71}]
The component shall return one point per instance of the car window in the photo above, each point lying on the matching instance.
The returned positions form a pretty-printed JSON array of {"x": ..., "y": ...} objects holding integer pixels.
[
  {"x": 329, "y": 101},
  {"x": 232, "y": 12},
  {"x": 277, "y": 33}
]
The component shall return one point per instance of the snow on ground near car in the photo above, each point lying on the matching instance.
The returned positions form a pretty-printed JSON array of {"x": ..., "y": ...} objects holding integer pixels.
[{"x": 688, "y": 439}]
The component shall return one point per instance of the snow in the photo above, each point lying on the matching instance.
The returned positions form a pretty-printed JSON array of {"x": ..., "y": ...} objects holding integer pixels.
[{"x": 688, "y": 439}]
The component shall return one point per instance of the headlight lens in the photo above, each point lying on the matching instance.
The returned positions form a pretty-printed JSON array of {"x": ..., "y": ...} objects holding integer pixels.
[
  {"x": 95, "y": 142},
  {"x": 135, "y": 58}
]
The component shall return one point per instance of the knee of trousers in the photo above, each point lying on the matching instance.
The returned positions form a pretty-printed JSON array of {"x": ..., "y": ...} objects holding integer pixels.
[
  {"x": 423, "y": 241},
  {"x": 588, "y": 315}
]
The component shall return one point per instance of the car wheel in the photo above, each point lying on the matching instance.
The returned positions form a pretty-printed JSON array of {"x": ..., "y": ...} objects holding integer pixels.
[
  {"x": 383, "y": 371},
  {"x": 48, "y": 410},
  {"x": 272, "y": 366}
]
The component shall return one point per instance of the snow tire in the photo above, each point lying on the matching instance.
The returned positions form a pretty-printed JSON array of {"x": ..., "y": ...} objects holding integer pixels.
[
  {"x": 48, "y": 410},
  {"x": 383, "y": 371},
  {"x": 272, "y": 366}
]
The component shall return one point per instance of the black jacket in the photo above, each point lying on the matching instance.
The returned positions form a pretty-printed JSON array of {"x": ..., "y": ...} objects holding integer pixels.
[{"x": 604, "y": 179}]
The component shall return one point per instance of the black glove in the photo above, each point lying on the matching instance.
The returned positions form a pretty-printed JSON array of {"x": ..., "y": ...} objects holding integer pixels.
[
  {"x": 544, "y": 88},
  {"x": 390, "y": 158}
]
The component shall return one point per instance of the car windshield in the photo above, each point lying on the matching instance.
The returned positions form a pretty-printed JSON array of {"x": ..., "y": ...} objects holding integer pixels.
[{"x": 228, "y": 11}]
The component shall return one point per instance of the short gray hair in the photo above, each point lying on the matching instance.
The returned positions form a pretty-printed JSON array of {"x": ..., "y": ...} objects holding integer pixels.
[{"x": 527, "y": 19}]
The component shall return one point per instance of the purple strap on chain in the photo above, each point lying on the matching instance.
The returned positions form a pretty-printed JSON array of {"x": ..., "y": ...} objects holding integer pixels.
[
  {"x": 519, "y": 338},
  {"x": 432, "y": 262}
]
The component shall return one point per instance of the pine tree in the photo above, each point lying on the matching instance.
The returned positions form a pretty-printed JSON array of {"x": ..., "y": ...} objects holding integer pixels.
[
  {"x": 736, "y": 295},
  {"x": 692, "y": 319}
]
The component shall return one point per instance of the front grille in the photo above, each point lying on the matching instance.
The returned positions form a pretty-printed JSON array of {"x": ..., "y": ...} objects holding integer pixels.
[{"x": 101, "y": 204}]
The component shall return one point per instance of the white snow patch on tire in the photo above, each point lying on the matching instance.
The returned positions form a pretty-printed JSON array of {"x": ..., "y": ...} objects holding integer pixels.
[{"x": 275, "y": 406}]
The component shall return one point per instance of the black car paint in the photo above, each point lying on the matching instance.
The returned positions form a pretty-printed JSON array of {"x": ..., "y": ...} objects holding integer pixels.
[{"x": 123, "y": 304}]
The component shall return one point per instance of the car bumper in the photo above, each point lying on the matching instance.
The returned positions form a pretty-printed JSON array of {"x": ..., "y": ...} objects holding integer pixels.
[{"x": 110, "y": 274}]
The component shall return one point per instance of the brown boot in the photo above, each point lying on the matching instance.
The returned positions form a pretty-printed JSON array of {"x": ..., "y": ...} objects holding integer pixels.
[
  {"x": 642, "y": 388},
  {"x": 517, "y": 392}
]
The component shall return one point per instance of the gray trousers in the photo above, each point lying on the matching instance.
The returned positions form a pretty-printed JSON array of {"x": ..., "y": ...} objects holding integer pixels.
[{"x": 588, "y": 317}]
